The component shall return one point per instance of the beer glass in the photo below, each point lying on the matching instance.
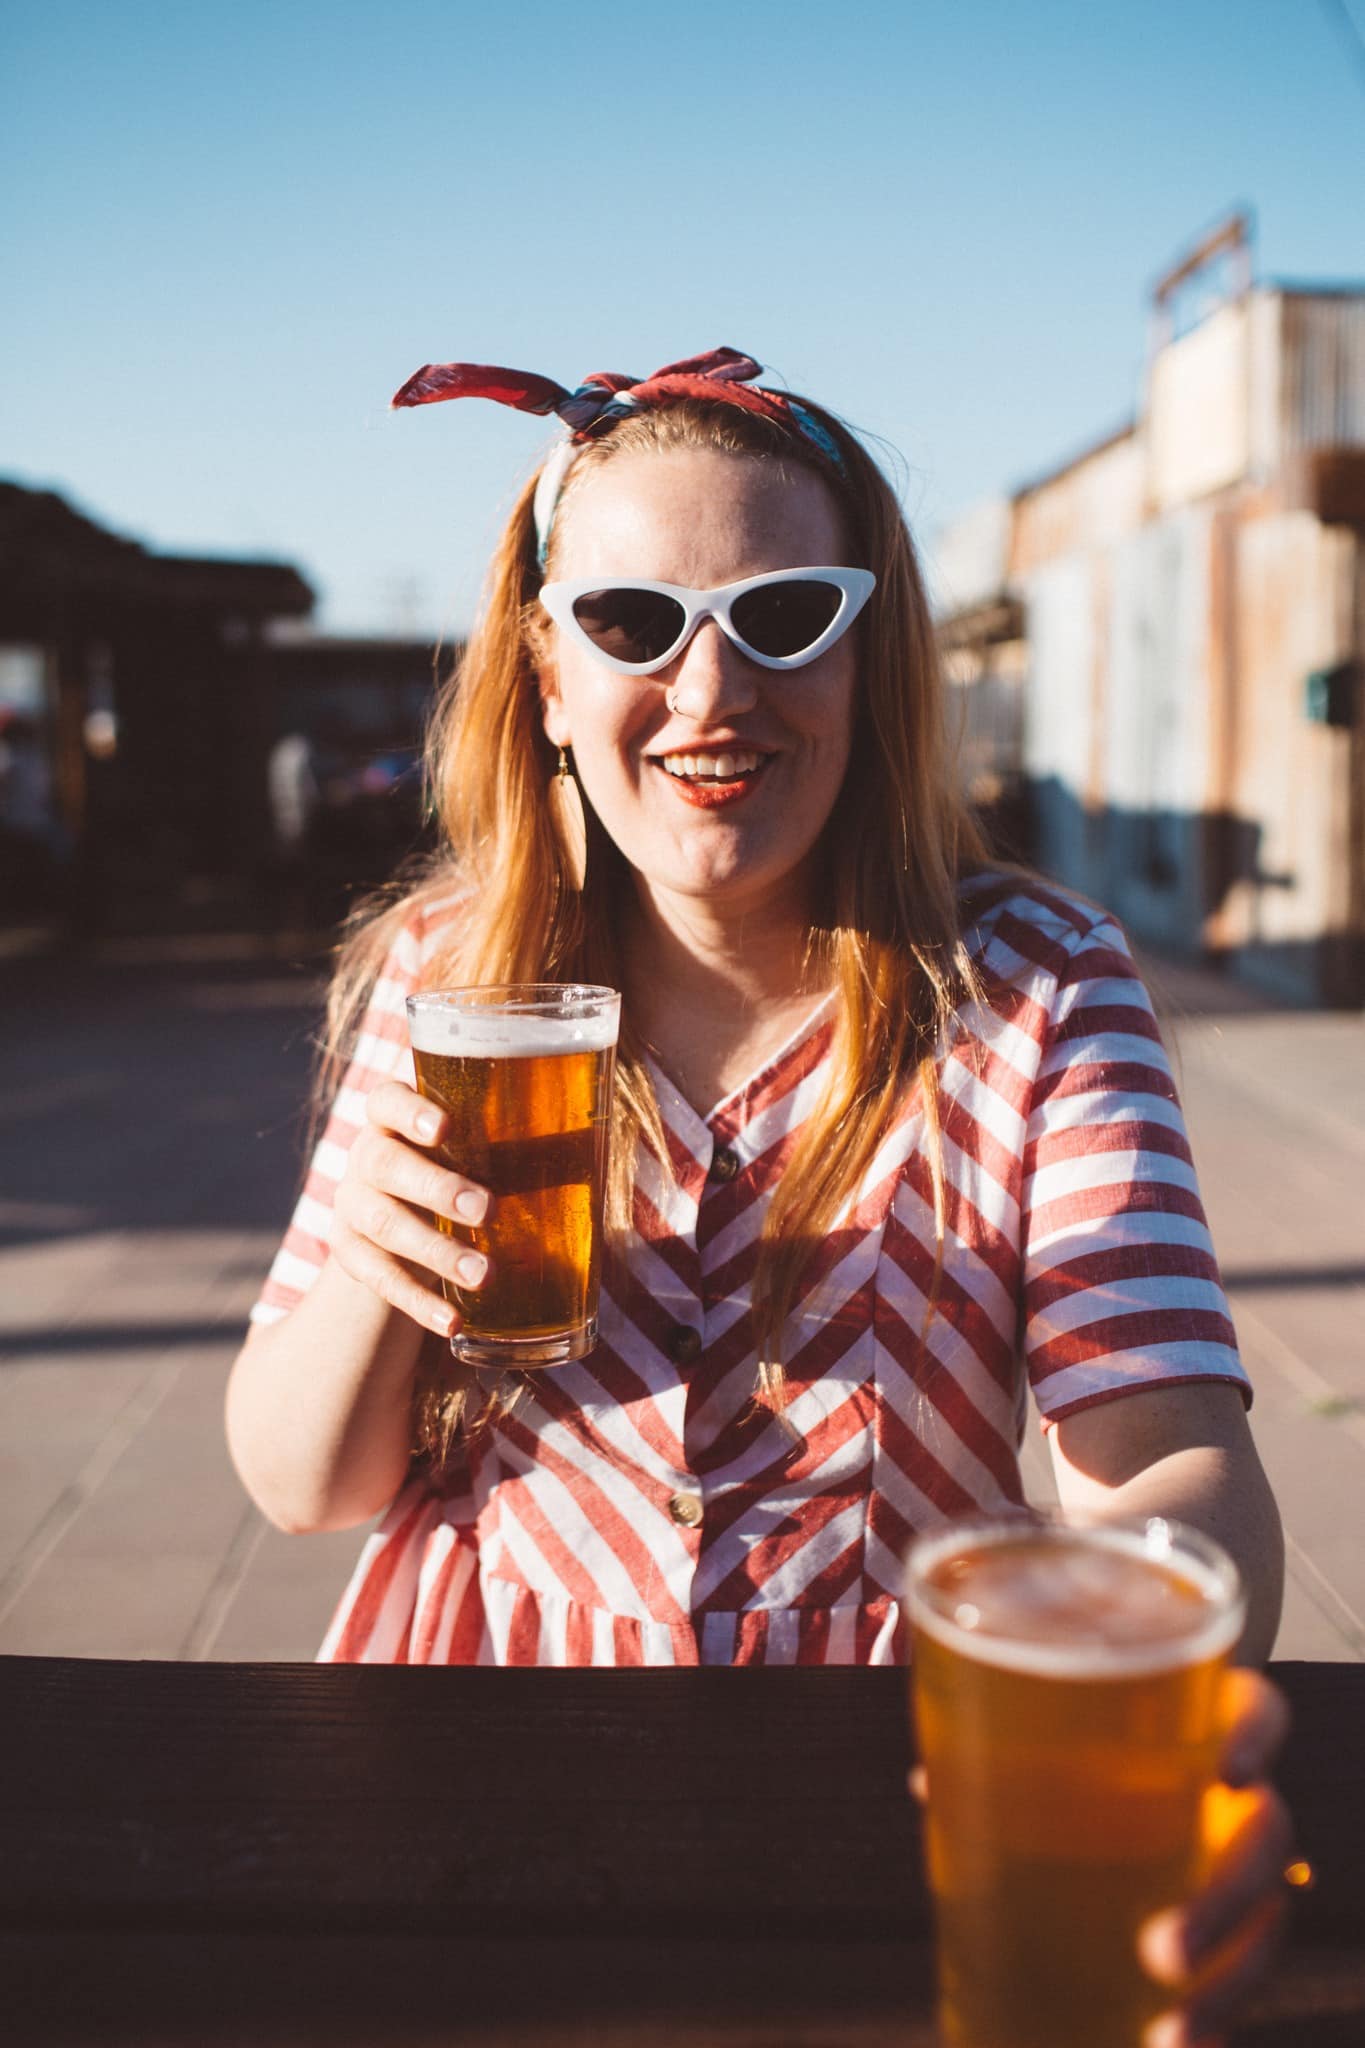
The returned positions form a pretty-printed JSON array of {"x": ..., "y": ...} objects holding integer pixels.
[
  {"x": 524, "y": 1074},
  {"x": 1066, "y": 1687}
]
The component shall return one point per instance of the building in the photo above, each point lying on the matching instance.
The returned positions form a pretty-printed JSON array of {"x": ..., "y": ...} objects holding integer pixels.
[
  {"x": 142, "y": 696},
  {"x": 356, "y": 710},
  {"x": 1159, "y": 646}
]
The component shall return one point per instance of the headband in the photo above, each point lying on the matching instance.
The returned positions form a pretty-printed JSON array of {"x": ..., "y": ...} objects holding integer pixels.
[{"x": 595, "y": 404}]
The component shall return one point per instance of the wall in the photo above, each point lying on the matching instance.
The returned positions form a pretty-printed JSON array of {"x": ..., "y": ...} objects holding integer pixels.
[
  {"x": 1155, "y": 744},
  {"x": 1198, "y": 419},
  {"x": 1175, "y": 603},
  {"x": 1293, "y": 592}
]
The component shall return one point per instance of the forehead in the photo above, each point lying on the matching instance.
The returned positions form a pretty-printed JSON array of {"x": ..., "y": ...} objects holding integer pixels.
[{"x": 696, "y": 516}]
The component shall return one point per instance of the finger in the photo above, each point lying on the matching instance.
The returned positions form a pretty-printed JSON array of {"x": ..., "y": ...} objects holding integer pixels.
[
  {"x": 1228, "y": 1976},
  {"x": 1250, "y": 1838},
  {"x": 393, "y": 1106},
  {"x": 404, "y": 1234},
  {"x": 1255, "y": 1717},
  {"x": 395, "y": 1167},
  {"x": 392, "y": 1283},
  {"x": 919, "y": 1783}
]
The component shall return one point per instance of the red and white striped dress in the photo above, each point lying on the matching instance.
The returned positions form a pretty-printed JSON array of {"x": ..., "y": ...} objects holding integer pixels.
[{"x": 637, "y": 1508}]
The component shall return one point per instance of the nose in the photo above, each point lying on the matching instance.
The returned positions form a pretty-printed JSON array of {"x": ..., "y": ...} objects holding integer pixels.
[{"x": 711, "y": 680}]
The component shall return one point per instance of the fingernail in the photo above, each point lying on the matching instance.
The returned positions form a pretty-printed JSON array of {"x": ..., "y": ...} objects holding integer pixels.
[
  {"x": 442, "y": 1319},
  {"x": 471, "y": 1267},
  {"x": 428, "y": 1124},
  {"x": 471, "y": 1206},
  {"x": 1163, "y": 1946}
]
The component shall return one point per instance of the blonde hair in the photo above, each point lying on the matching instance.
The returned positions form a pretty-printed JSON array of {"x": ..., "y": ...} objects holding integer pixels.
[{"x": 885, "y": 937}]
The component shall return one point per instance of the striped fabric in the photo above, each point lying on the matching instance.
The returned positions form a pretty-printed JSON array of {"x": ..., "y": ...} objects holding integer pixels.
[{"x": 638, "y": 1508}]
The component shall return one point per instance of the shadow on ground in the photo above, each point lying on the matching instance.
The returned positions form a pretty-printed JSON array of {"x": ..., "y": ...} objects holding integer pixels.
[{"x": 152, "y": 1093}]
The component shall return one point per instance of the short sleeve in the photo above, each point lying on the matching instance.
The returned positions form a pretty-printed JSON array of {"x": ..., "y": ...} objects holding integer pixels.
[
  {"x": 1121, "y": 1289},
  {"x": 381, "y": 1052}
]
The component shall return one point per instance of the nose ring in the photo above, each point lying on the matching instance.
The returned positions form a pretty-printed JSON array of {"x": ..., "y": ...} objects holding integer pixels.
[{"x": 670, "y": 704}]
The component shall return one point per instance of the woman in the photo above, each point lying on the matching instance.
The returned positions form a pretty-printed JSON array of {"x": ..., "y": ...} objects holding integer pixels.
[{"x": 892, "y": 1128}]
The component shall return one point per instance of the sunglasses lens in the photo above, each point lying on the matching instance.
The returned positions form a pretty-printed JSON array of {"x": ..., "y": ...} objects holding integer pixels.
[
  {"x": 785, "y": 618},
  {"x": 630, "y": 625}
]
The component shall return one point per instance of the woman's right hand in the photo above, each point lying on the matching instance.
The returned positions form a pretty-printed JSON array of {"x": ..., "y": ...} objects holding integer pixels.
[{"x": 384, "y": 1235}]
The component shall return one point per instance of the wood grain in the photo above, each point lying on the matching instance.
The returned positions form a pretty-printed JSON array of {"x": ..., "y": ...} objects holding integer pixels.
[{"x": 283, "y": 1853}]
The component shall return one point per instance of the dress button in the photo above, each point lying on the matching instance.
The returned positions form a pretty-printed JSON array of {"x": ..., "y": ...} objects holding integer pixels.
[
  {"x": 724, "y": 1164},
  {"x": 684, "y": 1344},
  {"x": 686, "y": 1509}
]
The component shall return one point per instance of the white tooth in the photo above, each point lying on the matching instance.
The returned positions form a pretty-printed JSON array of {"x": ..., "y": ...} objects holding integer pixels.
[{"x": 720, "y": 767}]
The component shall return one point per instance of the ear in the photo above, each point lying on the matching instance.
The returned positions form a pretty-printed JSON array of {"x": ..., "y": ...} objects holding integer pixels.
[{"x": 553, "y": 716}]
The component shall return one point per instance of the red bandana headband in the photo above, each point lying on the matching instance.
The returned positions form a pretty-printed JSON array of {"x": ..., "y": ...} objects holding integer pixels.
[{"x": 606, "y": 396}]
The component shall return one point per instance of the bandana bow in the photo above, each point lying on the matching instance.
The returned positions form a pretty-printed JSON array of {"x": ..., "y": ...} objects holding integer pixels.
[
  {"x": 606, "y": 395},
  {"x": 590, "y": 408}
]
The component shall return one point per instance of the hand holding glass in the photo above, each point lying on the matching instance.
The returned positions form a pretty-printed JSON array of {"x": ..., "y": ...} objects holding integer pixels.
[
  {"x": 1068, "y": 1698},
  {"x": 524, "y": 1074}
]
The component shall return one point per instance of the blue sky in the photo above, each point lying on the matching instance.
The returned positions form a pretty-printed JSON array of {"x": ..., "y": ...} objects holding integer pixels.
[{"x": 230, "y": 233}]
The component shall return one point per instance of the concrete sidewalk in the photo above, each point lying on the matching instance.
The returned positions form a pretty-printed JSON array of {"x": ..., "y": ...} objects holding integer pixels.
[
  {"x": 151, "y": 1129},
  {"x": 1276, "y": 1108}
]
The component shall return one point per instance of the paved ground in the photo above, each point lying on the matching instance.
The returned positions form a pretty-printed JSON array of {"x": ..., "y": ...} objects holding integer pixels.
[{"x": 150, "y": 1131}]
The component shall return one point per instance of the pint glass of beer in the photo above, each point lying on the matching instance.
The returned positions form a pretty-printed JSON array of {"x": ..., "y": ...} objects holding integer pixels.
[
  {"x": 1066, "y": 1688},
  {"x": 524, "y": 1074}
]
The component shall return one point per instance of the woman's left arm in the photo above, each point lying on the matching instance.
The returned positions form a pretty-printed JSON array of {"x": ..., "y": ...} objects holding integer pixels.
[{"x": 1184, "y": 1451}]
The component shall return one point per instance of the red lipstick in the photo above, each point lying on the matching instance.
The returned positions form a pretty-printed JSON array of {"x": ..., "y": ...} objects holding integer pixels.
[{"x": 708, "y": 793}]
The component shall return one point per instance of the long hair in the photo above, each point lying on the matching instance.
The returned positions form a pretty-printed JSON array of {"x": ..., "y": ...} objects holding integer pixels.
[{"x": 886, "y": 935}]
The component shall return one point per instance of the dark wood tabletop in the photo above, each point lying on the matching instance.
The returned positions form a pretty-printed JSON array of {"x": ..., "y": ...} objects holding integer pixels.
[{"x": 284, "y": 1855}]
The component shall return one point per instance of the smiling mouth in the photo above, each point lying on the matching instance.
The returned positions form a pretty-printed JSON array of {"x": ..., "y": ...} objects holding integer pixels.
[
  {"x": 729, "y": 765},
  {"x": 712, "y": 779}
]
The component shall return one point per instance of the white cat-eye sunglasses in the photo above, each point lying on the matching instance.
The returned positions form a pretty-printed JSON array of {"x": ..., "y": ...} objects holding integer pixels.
[{"x": 780, "y": 620}]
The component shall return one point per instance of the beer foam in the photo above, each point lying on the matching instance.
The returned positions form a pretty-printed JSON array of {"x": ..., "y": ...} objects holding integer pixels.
[
  {"x": 1114, "y": 1605},
  {"x": 453, "y": 1030}
]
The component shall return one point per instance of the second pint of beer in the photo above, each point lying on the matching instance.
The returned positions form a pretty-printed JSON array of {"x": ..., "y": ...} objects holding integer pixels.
[
  {"x": 524, "y": 1074},
  {"x": 1066, "y": 1693}
]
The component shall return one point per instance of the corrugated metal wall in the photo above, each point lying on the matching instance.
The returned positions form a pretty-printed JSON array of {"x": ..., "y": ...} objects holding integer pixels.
[
  {"x": 1290, "y": 777},
  {"x": 1058, "y": 717},
  {"x": 1174, "y": 609},
  {"x": 1156, "y": 755},
  {"x": 1322, "y": 379}
]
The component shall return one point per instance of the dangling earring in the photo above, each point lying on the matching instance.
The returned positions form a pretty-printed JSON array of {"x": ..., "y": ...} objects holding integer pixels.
[{"x": 566, "y": 808}]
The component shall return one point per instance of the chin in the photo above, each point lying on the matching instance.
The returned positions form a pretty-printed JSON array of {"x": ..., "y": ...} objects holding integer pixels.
[{"x": 715, "y": 881}]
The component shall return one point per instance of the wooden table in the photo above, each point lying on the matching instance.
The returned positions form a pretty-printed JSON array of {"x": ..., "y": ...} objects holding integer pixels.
[{"x": 280, "y": 1855}]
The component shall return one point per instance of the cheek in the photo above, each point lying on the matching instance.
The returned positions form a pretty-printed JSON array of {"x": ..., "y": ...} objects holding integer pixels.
[
  {"x": 829, "y": 728},
  {"x": 828, "y": 711},
  {"x": 608, "y": 718}
]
